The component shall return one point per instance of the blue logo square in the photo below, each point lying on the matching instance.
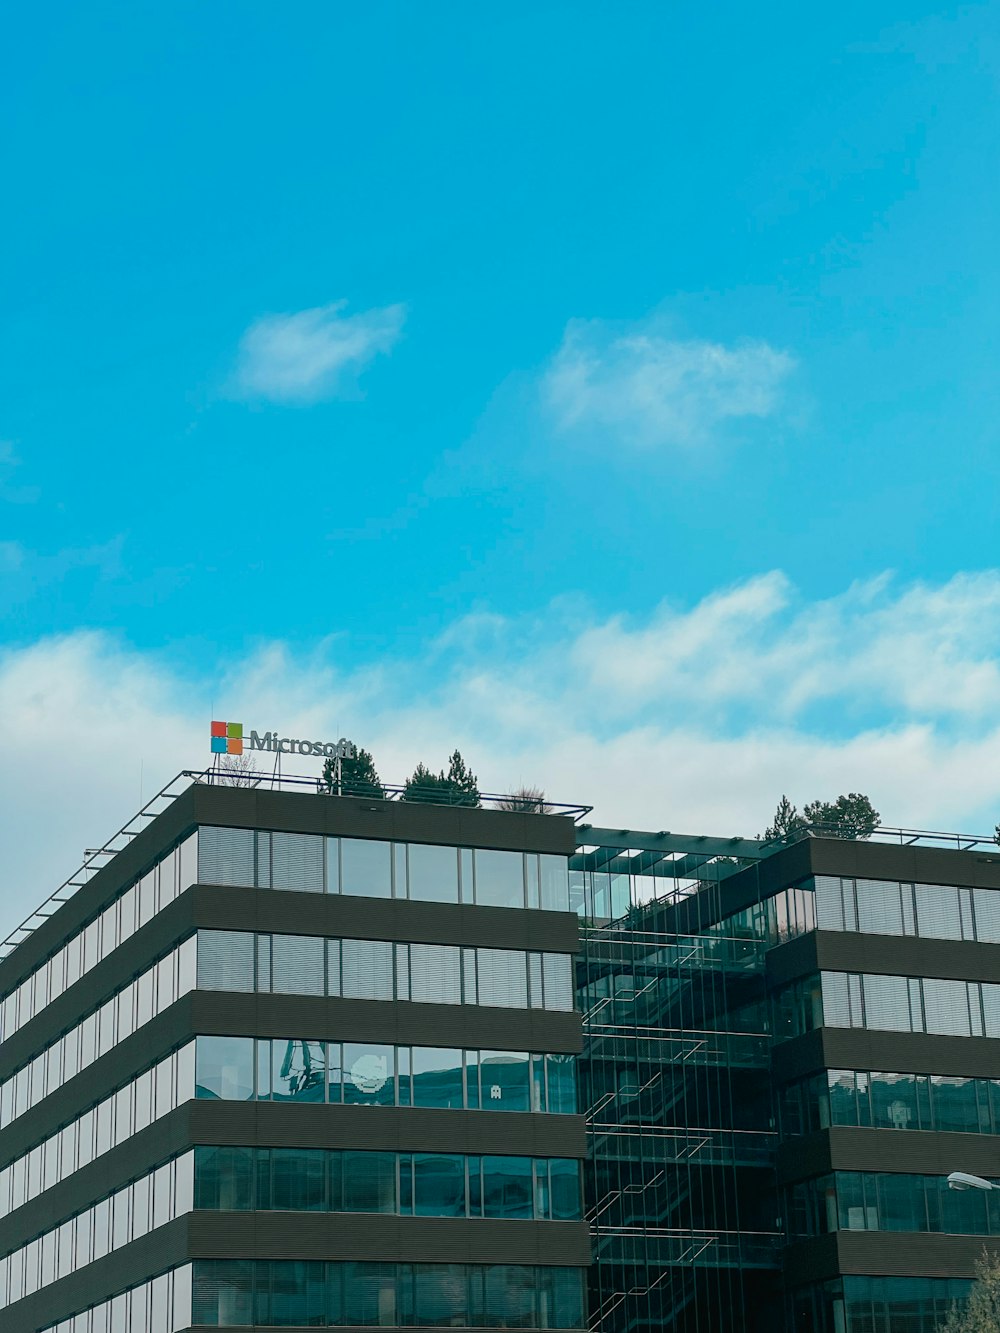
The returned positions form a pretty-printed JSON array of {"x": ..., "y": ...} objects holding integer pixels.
[{"x": 218, "y": 745}]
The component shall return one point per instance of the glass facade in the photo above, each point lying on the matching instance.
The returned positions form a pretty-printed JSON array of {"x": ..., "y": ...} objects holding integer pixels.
[
  {"x": 139, "y": 903},
  {"x": 371, "y": 1073},
  {"x": 284, "y": 1293},
  {"x": 123, "y": 1216},
  {"x": 891, "y": 1101},
  {"x": 885, "y": 907},
  {"x": 888, "y": 1004},
  {"x": 404, "y": 1184},
  {"x": 873, "y": 1201},
  {"x": 162, "y": 1305},
  {"x": 368, "y": 868},
  {"x": 234, "y": 960},
  {"x": 116, "y": 1019},
  {"x": 876, "y": 1305},
  {"x": 137, "y": 1104}
]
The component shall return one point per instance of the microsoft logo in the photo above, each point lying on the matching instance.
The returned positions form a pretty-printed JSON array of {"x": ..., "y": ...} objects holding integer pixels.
[{"x": 227, "y": 737}]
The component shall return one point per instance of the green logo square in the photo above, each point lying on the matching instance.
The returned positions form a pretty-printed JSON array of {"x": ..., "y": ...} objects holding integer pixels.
[{"x": 234, "y": 730}]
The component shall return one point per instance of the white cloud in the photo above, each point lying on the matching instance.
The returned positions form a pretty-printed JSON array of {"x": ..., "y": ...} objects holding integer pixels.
[
  {"x": 696, "y": 719},
  {"x": 641, "y": 387},
  {"x": 312, "y": 354}
]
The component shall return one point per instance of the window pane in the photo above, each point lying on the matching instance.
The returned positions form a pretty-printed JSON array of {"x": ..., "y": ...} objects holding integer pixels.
[
  {"x": 298, "y": 1071},
  {"x": 225, "y": 960},
  {"x": 433, "y": 873},
  {"x": 435, "y": 974},
  {"x": 369, "y": 1074},
  {"x": 368, "y": 1183},
  {"x": 946, "y": 1007},
  {"x": 507, "y": 1187},
  {"x": 558, "y": 969},
  {"x": 987, "y": 903},
  {"x": 366, "y": 869},
  {"x": 504, "y": 1078},
  {"x": 894, "y": 1101},
  {"x": 223, "y": 1290},
  {"x": 938, "y": 915},
  {"x": 555, "y": 882},
  {"x": 879, "y": 911},
  {"x": 298, "y": 965},
  {"x": 367, "y": 970},
  {"x": 503, "y": 978},
  {"x": 369, "y": 1294},
  {"x": 499, "y": 879},
  {"x": 560, "y": 1077},
  {"x": 224, "y": 1178},
  {"x": 226, "y": 856},
  {"x": 437, "y": 1077},
  {"x": 887, "y": 1005},
  {"x": 565, "y": 1176},
  {"x": 298, "y": 1179},
  {"x": 297, "y": 862},
  {"x": 224, "y": 1068},
  {"x": 438, "y": 1185}
]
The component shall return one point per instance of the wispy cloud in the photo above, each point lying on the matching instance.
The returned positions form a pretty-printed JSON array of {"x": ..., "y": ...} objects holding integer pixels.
[
  {"x": 693, "y": 718},
  {"x": 635, "y": 385},
  {"x": 310, "y": 355},
  {"x": 9, "y": 463}
]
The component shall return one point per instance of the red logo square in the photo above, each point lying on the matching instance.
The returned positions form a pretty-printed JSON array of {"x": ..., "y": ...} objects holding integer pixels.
[{"x": 218, "y": 728}]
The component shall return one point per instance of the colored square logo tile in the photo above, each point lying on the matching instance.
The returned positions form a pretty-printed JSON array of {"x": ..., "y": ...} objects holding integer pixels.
[
  {"x": 234, "y": 731},
  {"x": 218, "y": 745},
  {"x": 218, "y": 728},
  {"x": 234, "y": 746}
]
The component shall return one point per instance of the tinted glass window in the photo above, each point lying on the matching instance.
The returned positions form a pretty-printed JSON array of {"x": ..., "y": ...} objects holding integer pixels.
[
  {"x": 366, "y": 868},
  {"x": 368, "y": 1075},
  {"x": 433, "y": 873},
  {"x": 499, "y": 879},
  {"x": 224, "y": 1068}
]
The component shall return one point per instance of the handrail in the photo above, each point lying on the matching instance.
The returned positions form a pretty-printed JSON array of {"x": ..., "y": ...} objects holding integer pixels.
[{"x": 97, "y": 857}]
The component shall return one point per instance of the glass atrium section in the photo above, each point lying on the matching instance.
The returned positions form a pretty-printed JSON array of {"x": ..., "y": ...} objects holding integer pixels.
[
  {"x": 367, "y": 1073},
  {"x": 279, "y": 1293},
  {"x": 137, "y": 905},
  {"x": 369, "y": 868},
  {"x": 233, "y": 960},
  {"x": 404, "y": 1184}
]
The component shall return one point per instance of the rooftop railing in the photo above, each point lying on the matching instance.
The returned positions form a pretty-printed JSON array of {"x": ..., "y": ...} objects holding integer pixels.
[{"x": 95, "y": 858}]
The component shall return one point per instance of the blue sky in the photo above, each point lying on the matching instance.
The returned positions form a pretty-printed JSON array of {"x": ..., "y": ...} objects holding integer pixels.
[{"x": 372, "y": 350}]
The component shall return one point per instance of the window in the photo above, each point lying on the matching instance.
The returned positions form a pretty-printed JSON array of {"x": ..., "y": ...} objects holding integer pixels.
[
  {"x": 226, "y": 856},
  {"x": 226, "y": 960},
  {"x": 224, "y": 1068},
  {"x": 500, "y": 879},
  {"x": 296, "y": 862},
  {"x": 433, "y": 873},
  {"x": 369, "y": 1074},
  {"x": 298, "y": 965},
  {"x": 367, "y": 969},
  {"x": 502, "y": 978},
  {"x": 365, "y": 868},
  {"x": 436, "y": 1078},
  {"x": 503, "y": 1081},
  {"x": 554, "y": 880},
  {"x": 435, "y": 974}
]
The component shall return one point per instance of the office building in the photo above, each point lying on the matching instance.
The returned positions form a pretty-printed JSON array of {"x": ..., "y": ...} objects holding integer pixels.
[
  {"x": 295, "y": 1060},
  {"x": 292, "y": 1060}
]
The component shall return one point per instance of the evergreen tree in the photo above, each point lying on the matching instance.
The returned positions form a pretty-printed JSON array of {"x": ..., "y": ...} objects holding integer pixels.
[
  {"x": 358, "y": 776},
  {"x": 787, "y": 821},
  {"x": 459, "y": 786},
  {"x": 850, "y": 816},
  {"x": 982, "y": 1313}
]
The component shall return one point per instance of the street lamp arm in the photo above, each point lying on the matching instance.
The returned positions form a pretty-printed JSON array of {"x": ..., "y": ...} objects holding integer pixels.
[{"x": 961, "y": 1180}]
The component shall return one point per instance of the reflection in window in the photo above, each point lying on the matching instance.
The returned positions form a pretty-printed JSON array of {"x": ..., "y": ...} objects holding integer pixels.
[
  {"x": 500, "y": 879},
  {"x": 369, "y": 1075},
  {"x": 433, "y": 873},
  {"x": 365, "y": 868},
  {"x": 224, "y": 1068}
]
